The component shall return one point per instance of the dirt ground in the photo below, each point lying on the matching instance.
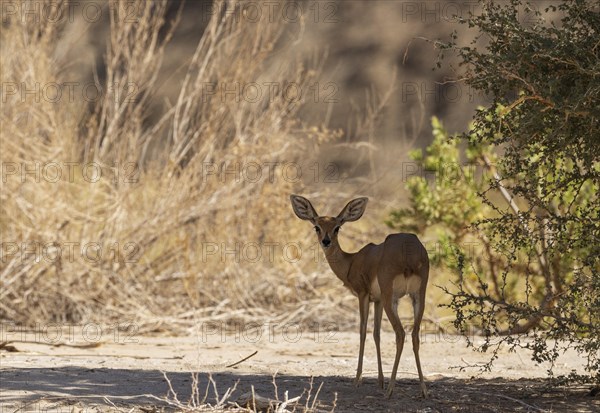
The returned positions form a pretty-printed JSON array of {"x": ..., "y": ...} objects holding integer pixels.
[{"x": 97, "y": 370}]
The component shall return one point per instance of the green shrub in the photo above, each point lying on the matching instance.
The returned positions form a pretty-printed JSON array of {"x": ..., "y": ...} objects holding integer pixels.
[{"x": 533, "y": 208}]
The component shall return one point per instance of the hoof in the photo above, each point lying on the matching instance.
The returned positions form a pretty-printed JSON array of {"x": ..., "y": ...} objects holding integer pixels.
[
  {"x": 380, "y": 383},
  {"x": 357, "y": 381}
]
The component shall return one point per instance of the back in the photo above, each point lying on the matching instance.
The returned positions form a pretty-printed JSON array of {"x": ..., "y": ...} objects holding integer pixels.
[{"x": 403, "y": 254}]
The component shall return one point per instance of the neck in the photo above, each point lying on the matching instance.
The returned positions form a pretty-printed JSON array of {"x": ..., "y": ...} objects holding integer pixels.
[{"x": 339, "y": 261}]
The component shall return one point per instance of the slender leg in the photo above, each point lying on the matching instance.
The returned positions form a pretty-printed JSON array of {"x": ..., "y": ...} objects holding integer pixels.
[
  {"x": 376, "y": 336},
  {"x": 390, "y": 306},
  {"x": 418, "y": 308},
  {"x": 363, "y": 303}
]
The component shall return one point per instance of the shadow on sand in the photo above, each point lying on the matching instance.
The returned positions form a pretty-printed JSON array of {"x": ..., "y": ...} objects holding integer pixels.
[{"x": 24, "y": 387}]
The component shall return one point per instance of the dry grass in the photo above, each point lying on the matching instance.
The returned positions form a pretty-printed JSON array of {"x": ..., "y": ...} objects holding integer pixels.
[
  {"x": 210, "y": 399},
  {"x": 161, "y": 238}
]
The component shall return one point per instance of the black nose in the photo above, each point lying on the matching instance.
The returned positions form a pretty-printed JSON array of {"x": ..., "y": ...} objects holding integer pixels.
[{"x": 326, "y": 242}]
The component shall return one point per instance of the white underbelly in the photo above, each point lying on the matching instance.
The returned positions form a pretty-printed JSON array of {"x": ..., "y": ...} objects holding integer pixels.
[{"x": 401, "y": 286}]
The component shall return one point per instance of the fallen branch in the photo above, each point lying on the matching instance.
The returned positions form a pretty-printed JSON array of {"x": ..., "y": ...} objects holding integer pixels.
[{"x": 242, "y": 360}]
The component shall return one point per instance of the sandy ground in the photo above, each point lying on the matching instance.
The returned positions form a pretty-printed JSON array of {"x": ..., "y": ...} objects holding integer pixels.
[{"x": 125, "y": 372}]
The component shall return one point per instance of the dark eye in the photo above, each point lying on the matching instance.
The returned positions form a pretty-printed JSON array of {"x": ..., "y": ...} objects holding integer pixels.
[
  {"x": 318, "y": 230},
  {"x": 336, "y": 229}
]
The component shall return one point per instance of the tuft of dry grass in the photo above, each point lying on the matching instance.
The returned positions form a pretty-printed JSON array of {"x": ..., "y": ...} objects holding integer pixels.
[
  {"x": 161, "y": 220},
  {"x": 200, "y": 401}
]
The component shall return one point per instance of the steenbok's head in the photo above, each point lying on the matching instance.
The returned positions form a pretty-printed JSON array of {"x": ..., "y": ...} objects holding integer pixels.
[{"x": 327, "y": 227}]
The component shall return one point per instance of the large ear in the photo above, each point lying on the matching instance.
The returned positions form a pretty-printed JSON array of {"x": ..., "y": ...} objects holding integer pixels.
[
  {"x": 303, "y": 208},
  {"x": 353, "y": 210}
]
